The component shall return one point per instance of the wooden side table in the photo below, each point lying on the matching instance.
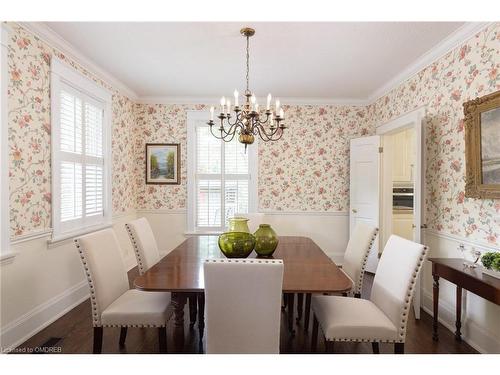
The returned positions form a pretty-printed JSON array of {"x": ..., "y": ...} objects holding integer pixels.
[{"x": 471, "y": 279}]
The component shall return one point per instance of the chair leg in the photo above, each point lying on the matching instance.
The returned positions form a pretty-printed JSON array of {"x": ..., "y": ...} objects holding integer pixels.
[
  {"x": 399, "y": 348},
  {"x": 329, "y": 346},
  {"x": 314, "y": 335},
  {"x": 97, "y": 340},
  {"x": 193, "y": 309},
  {"x": 162, "y": 339},
  {"x": 123, "y": 336},
  {"x": 357, "y": 295},
  {"x": 300, "y": 306},
  {"x": 375, "y": 348}
]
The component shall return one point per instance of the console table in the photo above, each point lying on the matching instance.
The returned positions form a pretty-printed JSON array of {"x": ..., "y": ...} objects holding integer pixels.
[{"x": 471, "y": 279}]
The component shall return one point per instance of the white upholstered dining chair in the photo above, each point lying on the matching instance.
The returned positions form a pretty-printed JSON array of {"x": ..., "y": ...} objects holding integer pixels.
[
  {"x": 113, "y": 303},
  {"x": 356, "y": 254},
  {"x": 384, "y": 317},
  {"x": 144, "y": 244},
  {"x": 242, "y": 304}
]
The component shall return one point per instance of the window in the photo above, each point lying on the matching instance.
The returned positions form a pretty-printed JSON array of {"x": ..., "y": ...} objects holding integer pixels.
[
  {"x": 81, "y": 153},
  {"x": 221, "y": 177}
]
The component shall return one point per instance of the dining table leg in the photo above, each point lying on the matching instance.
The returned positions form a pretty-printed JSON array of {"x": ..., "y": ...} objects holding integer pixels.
[
  {"x": 178, "y": 301},
  {"x": 291, "y": 308},
  {"x": 307, "y": 313},
  {"x": 300, "y": 306},
  {"x": 435, "y": 300},
  {"x": 201, "y": 314},
  {"x": 193, "y": 301}
]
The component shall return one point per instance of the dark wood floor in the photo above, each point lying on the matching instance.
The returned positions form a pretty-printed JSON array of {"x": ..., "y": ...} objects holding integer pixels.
[{"x": 74, "y": 331}]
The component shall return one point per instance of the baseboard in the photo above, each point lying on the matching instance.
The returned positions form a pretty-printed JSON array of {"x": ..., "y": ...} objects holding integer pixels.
[
  {"x": 473, "y": 334},
  {"x": 29, "y": 324}
]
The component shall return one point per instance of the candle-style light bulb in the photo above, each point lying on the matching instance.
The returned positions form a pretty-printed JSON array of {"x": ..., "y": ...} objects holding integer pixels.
[
  {"x": 277, "y": 106},
  {"x": 222, "y": 103},
  {"x": 212, "y": 109},
  {"x": 268, "y": 105},
  {"x": 271, "y": 123},
  {"x": 282, "y": 113},
  {"x": 236, "y": 95},
  {"x": 228, "y": 106}
]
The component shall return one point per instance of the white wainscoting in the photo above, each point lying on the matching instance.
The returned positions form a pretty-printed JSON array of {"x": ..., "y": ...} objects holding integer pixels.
[
  {"x": 45, "y": 282},
  {"x": 330, "y": 230},
  {"x": 480, "y": 318}
]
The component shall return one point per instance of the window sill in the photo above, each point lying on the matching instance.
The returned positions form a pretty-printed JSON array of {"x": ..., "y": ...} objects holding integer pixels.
[
  {"x": 8, "y": 257},
  {"x": 69, "y": 236}
]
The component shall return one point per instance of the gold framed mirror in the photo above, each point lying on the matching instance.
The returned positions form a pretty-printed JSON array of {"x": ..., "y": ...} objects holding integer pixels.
[{"x": 482, "y": 147}]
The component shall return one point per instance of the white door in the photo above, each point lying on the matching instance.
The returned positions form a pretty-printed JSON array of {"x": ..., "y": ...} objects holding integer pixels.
[{"x": 364, "y": 188}]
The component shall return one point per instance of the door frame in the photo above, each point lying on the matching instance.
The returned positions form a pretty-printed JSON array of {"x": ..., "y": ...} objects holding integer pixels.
[{"x": 411, "y": 119}]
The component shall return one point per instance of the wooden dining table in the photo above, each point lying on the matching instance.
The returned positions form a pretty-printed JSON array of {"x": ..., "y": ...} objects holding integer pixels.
[{"x": 307, "y": 270}]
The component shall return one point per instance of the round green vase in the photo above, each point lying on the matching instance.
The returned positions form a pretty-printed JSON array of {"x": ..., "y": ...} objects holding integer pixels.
[
  {"x": 266, "y": 240},
  {"x": 236, "y": 244},
  {"x": 238, "y": 224}
]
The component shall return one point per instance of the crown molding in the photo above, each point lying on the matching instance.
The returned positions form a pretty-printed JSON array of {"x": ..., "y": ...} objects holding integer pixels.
[
  {"x": 452, "y": 41},
  {"x": 284, "y": 100},
  {"x": 45, "y": 33}
]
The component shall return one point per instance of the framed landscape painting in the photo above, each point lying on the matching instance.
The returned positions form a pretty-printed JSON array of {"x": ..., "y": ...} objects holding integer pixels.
[
  {"x": 163, "y": 163},
  {"x": 482, "y": 146}
]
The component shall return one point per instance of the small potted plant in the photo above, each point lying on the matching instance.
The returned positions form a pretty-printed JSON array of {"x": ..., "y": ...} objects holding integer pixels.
[{"x": 491, "y": 263}]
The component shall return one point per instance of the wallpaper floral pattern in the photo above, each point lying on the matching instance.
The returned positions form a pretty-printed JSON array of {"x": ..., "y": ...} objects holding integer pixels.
[
  {"x": 467, "y": 72},
  {"x": 306, "y": 171},
  {"x": 29, "y": 135}
]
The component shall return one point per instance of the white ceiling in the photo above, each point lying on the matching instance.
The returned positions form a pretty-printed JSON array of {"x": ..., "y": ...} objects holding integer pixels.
[{"x": 344, "y": 60}]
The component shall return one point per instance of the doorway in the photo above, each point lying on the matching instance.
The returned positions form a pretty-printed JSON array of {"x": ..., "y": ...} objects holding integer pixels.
[{"x": 402, "y": 182}]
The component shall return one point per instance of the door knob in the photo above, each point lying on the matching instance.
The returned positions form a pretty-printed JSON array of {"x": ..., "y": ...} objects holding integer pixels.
[
  {"x": 354, "y": 211},
  {"x": 413, "y": 226}
]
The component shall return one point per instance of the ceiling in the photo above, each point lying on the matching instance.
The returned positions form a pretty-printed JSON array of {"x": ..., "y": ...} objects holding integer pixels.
[{"x": 344, "y": 60}]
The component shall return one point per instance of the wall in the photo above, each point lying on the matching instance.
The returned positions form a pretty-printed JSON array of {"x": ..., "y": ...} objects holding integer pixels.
[
  {"x": 469, "y": 71},
  {"x": 44, "y": 280}
]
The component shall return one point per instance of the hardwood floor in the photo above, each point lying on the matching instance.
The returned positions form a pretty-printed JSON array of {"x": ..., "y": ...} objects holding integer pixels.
[{"x": 72, "y": 333}]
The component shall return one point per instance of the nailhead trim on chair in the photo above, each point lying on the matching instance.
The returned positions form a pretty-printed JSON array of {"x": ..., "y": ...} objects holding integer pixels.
[
  {"x": 96, "y": 318},
  {"x": 359, "y": 284},
  {"x": 410, "y": 291},
  {"x": 136, "y": 249}
]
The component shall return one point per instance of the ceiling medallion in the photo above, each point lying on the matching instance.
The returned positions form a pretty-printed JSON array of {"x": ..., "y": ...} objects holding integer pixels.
[{"x": 248, "y": 120}]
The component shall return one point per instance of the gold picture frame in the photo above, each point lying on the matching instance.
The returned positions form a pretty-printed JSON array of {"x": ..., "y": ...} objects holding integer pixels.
[
  {"x": 163, "y": 163},
  {"x": 482, "y": 147}
]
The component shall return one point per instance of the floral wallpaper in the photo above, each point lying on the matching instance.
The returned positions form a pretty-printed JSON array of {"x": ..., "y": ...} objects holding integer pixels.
[
  {"x": 306, "y": 171},
  {"x": 467, "y": 72},
  {"x": 29, "y": 135},
  {"x": 161, "y": 123}
]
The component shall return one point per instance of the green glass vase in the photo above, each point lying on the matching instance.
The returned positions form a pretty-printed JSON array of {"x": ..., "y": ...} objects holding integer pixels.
[
  {"x": 266, "y": 240},
  {"x": 238, "y": 224},
  {"x": 236, "y": 244}
]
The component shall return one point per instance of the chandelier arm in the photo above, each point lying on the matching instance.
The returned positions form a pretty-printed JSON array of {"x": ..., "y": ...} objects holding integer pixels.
[
  {"x": 217, "y": 136},
  {"x": 227, "y": 140},
  {"x": 262, "y": 134},
  {"x": 272, "y": 133},
  {"x": 230, "y": 130}
]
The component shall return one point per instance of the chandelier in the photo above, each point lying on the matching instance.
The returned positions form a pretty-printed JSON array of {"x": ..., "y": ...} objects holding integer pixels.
[{"x": 248, "y": 121}]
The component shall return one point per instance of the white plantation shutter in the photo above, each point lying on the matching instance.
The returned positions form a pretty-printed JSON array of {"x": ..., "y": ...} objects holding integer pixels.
[
  {"x": 221, "y": 179},
  {"x": 81, "y": 154}
]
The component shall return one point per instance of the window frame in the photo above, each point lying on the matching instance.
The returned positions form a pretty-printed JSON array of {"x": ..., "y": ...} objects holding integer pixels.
[
  {"x": 63, "y": 74},
  {"x": 199, "y": 118}
]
